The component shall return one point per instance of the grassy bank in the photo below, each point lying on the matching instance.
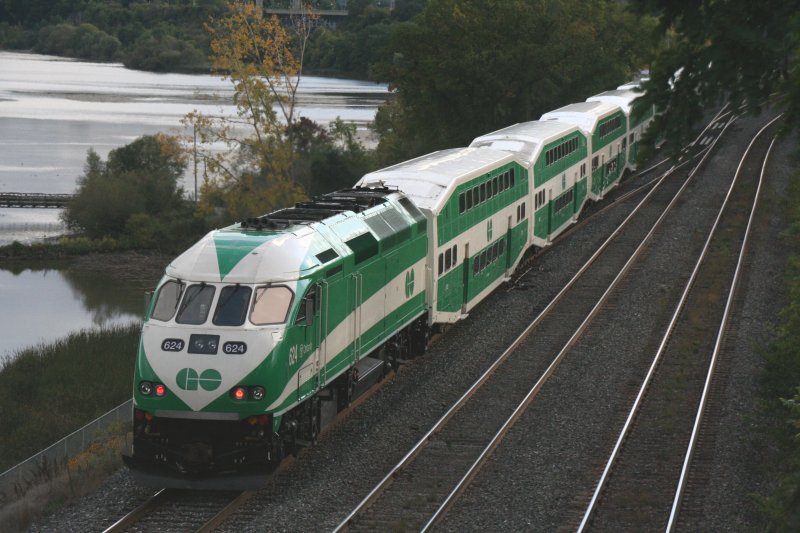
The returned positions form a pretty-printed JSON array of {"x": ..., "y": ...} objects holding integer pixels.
[
  {"x": 48, "y": 391},
  {"x": 781, "y": 387}
]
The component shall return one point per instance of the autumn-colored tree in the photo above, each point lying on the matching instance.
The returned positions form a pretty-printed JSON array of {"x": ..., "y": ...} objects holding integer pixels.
[{"x": 264, "y": 62}]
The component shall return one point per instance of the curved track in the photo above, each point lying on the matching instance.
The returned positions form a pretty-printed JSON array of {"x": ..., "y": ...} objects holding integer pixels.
[
  {"x": 637, "y": 490},
  {"x": 419, "y": 489}
]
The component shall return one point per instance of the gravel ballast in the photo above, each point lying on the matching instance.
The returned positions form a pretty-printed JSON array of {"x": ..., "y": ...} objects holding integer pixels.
[{"x": 540, "y": 474}]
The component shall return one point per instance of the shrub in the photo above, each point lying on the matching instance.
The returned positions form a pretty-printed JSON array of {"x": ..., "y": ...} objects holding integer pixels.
[{"x": 85, "y": 41}]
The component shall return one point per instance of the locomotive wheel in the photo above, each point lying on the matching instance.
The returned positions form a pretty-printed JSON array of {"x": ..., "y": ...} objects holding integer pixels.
[
  {"x": 419, "y": 337},
  {"x": 344, "y": 393},
  {"x": 383, "y": 355},
  {"x": 314, "y": 420}
]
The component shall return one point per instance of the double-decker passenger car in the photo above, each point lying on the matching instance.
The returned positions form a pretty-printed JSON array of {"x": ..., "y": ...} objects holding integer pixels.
[
  {"x": 606, "y": 127},
  {"x": 637, "y": 119},
  {"x": 554, "y": 153},
  {"x": 265, "y": 327},
  {"x": 477, "y": 202}
]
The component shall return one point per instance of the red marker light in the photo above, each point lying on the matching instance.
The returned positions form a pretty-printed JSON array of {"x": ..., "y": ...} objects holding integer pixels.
[
  {"x": 161, "y": 390},
  {"x": 239, "y": 393}
]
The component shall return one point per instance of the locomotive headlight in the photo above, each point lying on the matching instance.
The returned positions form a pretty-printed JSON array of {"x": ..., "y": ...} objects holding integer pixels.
[
  {"x": 257, "y": 392},
  {"x": 146, "y": 388}
]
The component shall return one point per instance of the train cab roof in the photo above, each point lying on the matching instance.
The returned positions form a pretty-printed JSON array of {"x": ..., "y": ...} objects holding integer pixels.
[
  {"x": 525, "y": 139},
  {"x": 585, "y": 115},
  {"x": 623, "y": 98},
  {"x": 290, "y": 243},
  {"x": 429, "y": 180}
]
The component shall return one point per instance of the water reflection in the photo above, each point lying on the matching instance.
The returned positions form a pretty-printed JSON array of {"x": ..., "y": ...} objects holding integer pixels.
[
  {"x": 46, "y": 304},
  {"x": 29, "y": 225}
]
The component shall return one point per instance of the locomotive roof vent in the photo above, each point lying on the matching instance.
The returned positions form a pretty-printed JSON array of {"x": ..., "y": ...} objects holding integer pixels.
[{"x": 357, "y": 199}]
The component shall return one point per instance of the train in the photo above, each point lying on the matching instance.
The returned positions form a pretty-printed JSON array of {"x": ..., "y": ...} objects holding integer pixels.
[{"x": 264, "y": 329}]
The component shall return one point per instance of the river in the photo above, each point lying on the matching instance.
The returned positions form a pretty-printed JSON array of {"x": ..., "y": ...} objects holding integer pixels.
[{"x": 52, "y": 110}]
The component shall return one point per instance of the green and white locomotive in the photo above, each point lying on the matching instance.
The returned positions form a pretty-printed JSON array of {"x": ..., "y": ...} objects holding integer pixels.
[
  {"x": 263, "y": 329},
  {"x": 259, "y": 324}
]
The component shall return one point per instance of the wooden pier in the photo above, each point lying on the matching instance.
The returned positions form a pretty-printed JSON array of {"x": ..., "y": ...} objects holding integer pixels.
[{"x": 33, "y": 199}]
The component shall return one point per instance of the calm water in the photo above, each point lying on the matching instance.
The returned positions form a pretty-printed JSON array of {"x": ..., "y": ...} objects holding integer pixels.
[
  {"x": 52, "y": 110},
  {"x": 43, "y": 305}
]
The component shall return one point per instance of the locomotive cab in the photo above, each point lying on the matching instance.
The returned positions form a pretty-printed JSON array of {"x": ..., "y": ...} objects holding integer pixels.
[
  {"x": 209, "y": 366},
  {"x": 260, "y": 329}
]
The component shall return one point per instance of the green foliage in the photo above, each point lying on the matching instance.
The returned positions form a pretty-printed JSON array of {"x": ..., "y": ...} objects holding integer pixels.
[
  {"x": 360, "y": 41},
  {"x": 148, "y": 35},
  {"x": 49, "y": 391},
  {"x": 134, "y": 197},
  {"x": 780, "y": 387},
  {"x": 741, "y": 52},
  {"x": 165, "y": 53},
  {"x": 16, "y": 37},
  {"x": 459, "y": 73},
  {"x": 84, "y": 41},
  {"x": 329, "y": 160}
]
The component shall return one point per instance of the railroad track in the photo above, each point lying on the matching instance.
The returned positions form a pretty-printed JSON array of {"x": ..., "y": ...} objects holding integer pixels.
[
  {"x": 181, "y": 510},
  {"x": 419, "y": 489},
  {"x": 699, "y": 148},
  {"x": 185, "y": 510},
  {"x": 648, "y": 471}
]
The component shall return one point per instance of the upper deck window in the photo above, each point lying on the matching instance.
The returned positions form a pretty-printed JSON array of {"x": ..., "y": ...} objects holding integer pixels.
[
  {"x": 232, "y": 306},
  {"x": 271, "y": 305},
  {"x": 167, "y": 300},
  {"x": 196, "y": 304}
]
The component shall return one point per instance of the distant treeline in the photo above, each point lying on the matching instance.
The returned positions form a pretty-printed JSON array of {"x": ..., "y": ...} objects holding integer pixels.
[{"x": 169, "y": 36}]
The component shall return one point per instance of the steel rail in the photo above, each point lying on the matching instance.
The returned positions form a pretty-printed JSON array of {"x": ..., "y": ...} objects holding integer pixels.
[
  {"x": 215, "y": 521},
  {"x": 414, "y": 451},
  {"x": 134, "y": 516},
  {"x": 162, "y": 495},
  {"x": 662, "y": 347},
  {"x": 720, "y": 114},
  {"x": 511, "y": 420},
  {"x": 673, "y": 515}
]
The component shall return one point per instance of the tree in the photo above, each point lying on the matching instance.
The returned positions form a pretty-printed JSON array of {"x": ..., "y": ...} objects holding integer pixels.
[
  {"x": 136, "y": 187},
  {"x": 264, "y": 63},
  {"x": 466, "y": 67},
  {"x": 740, "y": 52}
]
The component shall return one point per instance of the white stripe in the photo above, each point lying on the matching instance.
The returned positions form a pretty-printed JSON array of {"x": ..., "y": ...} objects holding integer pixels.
[{"x": 380, "y": 304}]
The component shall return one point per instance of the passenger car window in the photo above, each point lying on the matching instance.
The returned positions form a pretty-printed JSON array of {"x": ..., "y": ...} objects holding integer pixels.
[
  {"x": 167, "y": 300},
  {"x": 196, "y": 304},
  {"x": 232, "y": 306},
  {"x": 271, "y": 305}
]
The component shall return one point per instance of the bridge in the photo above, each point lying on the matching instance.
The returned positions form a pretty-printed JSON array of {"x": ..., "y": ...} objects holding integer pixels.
[
  {"x": 33, "y": 199},
  {"x": 322, "y": 8}
]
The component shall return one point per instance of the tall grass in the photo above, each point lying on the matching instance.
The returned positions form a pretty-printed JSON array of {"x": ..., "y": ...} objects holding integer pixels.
[
  {"x": 781, "y": 387},
  {"x": 48, "y": 391}
]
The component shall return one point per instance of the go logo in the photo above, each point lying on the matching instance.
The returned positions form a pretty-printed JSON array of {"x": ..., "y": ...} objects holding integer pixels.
[
  {"x": 409, "y": 283},
  {"x": 188, "y": 379}
]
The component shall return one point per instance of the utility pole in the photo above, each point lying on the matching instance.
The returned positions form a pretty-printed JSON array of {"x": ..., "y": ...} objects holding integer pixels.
[{"x": 194, "y": 131}]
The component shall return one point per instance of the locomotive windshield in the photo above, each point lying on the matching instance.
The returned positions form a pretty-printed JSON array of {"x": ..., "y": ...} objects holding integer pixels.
[
  {"x": 193, "y": 304},
  {"x": 196, "y": 304},
  {"x": 271, "y": 305},
  {"x": 232, "y": 306},
  {"x": 167, "y": 300}
]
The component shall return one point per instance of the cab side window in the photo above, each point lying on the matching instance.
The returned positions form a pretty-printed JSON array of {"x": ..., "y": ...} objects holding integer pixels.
[{"x": 305, "y": 314}]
